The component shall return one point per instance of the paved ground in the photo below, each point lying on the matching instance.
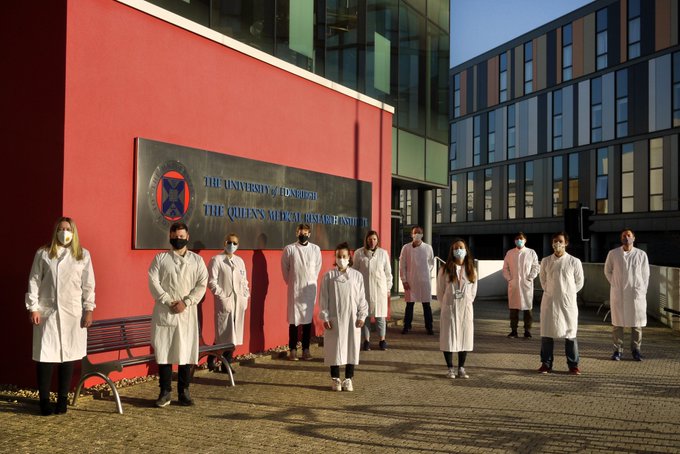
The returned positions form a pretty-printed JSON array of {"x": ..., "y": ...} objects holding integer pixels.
[{"x": 402, "y": 403}]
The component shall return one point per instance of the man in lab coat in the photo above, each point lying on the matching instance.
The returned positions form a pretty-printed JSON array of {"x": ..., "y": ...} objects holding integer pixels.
[
  {"x": 416, "y": 263},
  {"x": 561, "y": 278},
  {"x": 627, "y": 270},
  {"x": 177, "y": 281},
  {"x": 300, "y": 266},
  {"x": 520, "y": 268}
]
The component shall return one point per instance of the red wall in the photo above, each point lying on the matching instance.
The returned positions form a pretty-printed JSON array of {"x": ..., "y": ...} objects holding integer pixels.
[{"x": 131, "y": 75}]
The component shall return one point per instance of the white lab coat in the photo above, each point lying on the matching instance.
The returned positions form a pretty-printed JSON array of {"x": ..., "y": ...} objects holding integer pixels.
[
  {"x": 628, "y": 275},
  {"x": 300, "y": 266},
  {"x": 229, "y": 283},
  {"x": 456, "y": 333},
  {"x": 561, "y": 279},
  {"x": 342, "y": 301},
  {"x": 520, "y": 268},
  {"x": 415, "y": 267},
  {"x": 377, "y": 272},
  {"x": 172, "y": 278},
  {"x": 60, "y": 289}
]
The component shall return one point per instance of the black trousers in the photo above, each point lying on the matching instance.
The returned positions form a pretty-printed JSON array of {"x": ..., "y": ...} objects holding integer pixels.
[
  {"x": 293, "y": 336},
  {"x": 448, "y": 356},
  {"x": 65, "y": 374},
  {"x": 427, "y": 315},
  {"x": 349, "y": 371},
  {"x": 165, "y": 377}
]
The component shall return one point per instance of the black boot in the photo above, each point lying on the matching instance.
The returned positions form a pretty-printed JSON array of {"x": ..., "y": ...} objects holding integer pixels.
[
  {"x": 62, "y": 405},
  {"x": 46, "y": 407}
]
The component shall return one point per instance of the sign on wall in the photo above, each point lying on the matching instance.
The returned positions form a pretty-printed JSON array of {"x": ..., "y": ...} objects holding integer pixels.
[{"x": 215, "y": 194}]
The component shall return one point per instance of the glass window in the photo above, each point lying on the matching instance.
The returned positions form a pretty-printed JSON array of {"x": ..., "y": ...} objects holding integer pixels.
[
  {"x": 470, "y": 196},
  {"x": 557, "y": 119},
  {"x": 529, "y": 189},
  {"x": 454, "y": 197},
  {"x": 596, "y": 109},
  {"x": 627, "y": 177},
  {"x": 405, "y": 205},
  {"x": 567, "y": 52},
  {"x": 634, "y": 31},
  {"x": 503, "y": 77},
  {"x": 456, "y": 95},
  {"x": 573, "y": 180},
  {"x": 438, "y": 205},
  {"x": 488, "y": 194},
  {"x": 411, "y": 77},
  {"x": 512, "y": 191},
  {"x": 491, "y": 127},
  {"x": 528, "y": 67},
  {"x": 622, "y": 103},
  {"x": 676, "y": 89},
  {"x": 602, "y": 183},
  {"x": 453, "y": 150},
  {"x": 656, "y": 174},
  {"x": 601, "y": 38},
  {"x": 476, "y": 142},
  {"x": 511, "y": 132},
  {"x": 558, "y": 187}
]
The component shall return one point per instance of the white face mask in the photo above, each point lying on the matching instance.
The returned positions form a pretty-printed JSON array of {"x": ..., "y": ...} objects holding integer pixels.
[
  {"x": 459, "y": 253},
  {"x": 230, "y": 248},
  {"x": 342, "y": 263},
  {"x": 519, "y": 243},
  {"x": 64, "y": 237},
  {"x": 558, "y": 247},
  {"x": 417, "y": 236}
]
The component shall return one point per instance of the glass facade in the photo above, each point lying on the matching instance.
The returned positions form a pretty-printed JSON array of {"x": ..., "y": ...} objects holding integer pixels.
[
  {"x": 601, "y": 39},
  {"x": 627, "y": 178},
  {"x": 656, "y": 174},
  {"x": 567, "y": 50}
]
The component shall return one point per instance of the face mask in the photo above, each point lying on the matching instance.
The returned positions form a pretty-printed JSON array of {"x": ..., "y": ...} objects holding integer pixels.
[
  {"x": 64, "y": 237},
  {"x": 558, "y": 247},
  {"x": 417, "y": 236},
  {"x": 303, "y": 238},
  {"x": 178, "y": 243},
  {"x": 519, "y": 243},
  {"x": 459, "y": 253},
  {"x": 628, "y": 240},
  {"x": 230, "y": 248},
  {"x": 342, "y": 263}
]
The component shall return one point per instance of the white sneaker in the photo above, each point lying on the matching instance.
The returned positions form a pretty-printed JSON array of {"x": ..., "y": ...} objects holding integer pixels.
[
  {"x": 347, "y": 385},
  {"x": 461, "y": 373},
  {"x": 451, "y": 373},
  {"x": 336, "y": 386}
]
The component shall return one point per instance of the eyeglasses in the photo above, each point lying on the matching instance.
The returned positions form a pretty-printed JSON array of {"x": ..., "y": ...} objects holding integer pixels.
[{"x": 232, "y": 243}]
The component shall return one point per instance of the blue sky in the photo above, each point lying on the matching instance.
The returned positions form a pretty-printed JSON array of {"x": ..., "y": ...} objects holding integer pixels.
[{"x": 480, "y": 25}]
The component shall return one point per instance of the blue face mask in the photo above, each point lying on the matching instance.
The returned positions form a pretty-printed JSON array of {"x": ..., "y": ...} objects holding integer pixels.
[
  {"x": 459, "y": 253},
  {"x": 519, "y": 243}
]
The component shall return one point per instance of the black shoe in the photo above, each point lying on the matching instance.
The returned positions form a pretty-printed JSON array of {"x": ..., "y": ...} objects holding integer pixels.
[
  {"x": 636, "y": 355},
  {"x": 513, "y": 334},
  {"x": 404, "y": 331},
  {"x": 366, "y": 346},
  {"x": 185, "y": 399},
  {"x": 164, "y": 399},
  {"x": 223, "y": 369},
  {"x": 527, "y": 334},
  {"x": 62, "y": 405},
  {"x": 46, "y": 407},
  {"x": 430, "y": 332},
  {"x": 383, "y": 345}
]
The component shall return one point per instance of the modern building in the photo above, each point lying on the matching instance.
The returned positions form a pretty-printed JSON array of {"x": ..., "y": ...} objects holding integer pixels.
[{"x": 583, "y": 111}]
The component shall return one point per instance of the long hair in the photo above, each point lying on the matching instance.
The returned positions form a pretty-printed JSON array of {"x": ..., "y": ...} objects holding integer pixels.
[
  {"x": 371, "y": 232},
  {"x": 340, "y": 247},
  {"x": 468, "y": 263},
  {"x": 74, "y": 246}
]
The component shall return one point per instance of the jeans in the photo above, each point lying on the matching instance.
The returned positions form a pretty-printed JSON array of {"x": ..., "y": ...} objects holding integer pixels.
[
  {"x": 570, "y": 349},
  {"x": 380, "y": 323},
  {"x": 349, "y": 371},
  {"x": 165, "y": 377},
  {"x": 293, "y": 336},
  {"x": 635, "y": 338},
  {"x": 427, "y": 315},
  {"x": 44, "y": 372}
]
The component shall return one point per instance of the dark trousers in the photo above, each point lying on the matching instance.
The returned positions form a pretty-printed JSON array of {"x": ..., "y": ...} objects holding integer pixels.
[
  {"x": 65, "y": 374},
  {"x": 293, "y": 336},
  {"x": 448, "y": 357},
  {"x": 570, "y": 349},
  {"x": 228, "y": 355},
  {"x": 514, "y": 319},
  {"x": 165, "y": 377},
  {"x": 427, "y": 315},
  {"x": 349, "y": 371}
]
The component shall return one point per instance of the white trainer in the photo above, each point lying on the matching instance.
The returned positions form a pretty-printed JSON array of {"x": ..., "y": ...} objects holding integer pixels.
[
  {"x": 461, "y": 373},
  {"x": 451, "y": 373},
  {"x": 337, "y": 385},
  {"x": 347, "y": 385}
]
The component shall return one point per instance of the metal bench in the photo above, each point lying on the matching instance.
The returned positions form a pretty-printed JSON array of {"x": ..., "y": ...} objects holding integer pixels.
[{"x": 126, "y": 334}]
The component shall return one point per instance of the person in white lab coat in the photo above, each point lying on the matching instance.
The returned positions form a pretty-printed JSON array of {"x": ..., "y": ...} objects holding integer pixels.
[
  {"x": 561, "y": 278},
  {"x": 300, "y": 265},
  {"x": 343, "y": 310},
  {"x": 373, "y": 263},
  {"x": 520, "y": 268},
  {"x": 456, "y": 291},
  {"x": 627, "y": 270},
  {"x": 229, "y": 283},
  {"x": 416, "y": 263},
  {"x": 177, "y": 281},
  {"x": 60, "y": 301}
]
